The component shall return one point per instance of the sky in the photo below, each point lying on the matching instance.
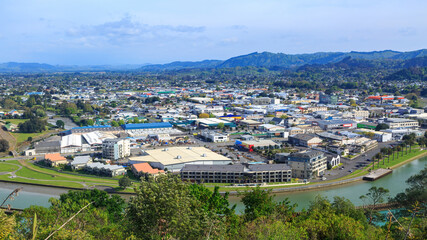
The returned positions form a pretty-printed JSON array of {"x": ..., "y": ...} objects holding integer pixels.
[{"x": 114, "y": 32}]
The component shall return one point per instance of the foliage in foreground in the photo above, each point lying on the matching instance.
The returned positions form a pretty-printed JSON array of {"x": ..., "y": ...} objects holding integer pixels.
[{"x": 167, "y": 208}]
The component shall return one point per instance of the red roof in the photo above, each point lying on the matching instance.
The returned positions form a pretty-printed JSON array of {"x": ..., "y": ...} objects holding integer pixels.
[
  {"x": 54, "y": 157},
  {"x": 146, "y": 168}
]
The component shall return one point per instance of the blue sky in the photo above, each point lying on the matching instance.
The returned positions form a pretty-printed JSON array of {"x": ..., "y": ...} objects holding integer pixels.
[{"x": 158, "y": 31}]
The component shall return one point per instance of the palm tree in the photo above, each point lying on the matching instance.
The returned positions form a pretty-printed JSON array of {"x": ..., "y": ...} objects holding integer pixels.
[
  {"x": 384, "y": 151},
  {"x": 402, "y": 145},
  {"x": 397, "y": 149}
]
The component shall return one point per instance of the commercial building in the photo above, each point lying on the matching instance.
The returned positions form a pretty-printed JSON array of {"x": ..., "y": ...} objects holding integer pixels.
[
  {"x": 215, "y": 137},
  {"x": 213, "y": 123},
  {"x": 367, "y": 125},
  {"x": 335, "y": 124},
  {"x": 252, "y": 145},
  {"x": 262, "y": 101},
  {"x": 115, "y": 149},
  {"x": 401, "y": 123},
  {"x": 250, "y": 124},
  {"x": 307, "y": 164},
  {"x": 379, "y": 136},
  {"x": 238, "y": 173},
  {"x": 305, "y": 140},
  {"x": 175, "y": 158}
]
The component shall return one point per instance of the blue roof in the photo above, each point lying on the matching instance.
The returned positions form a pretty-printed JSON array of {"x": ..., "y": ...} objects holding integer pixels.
[
  {"x": 146, "y": 125},
  {"x": 98, "y": 126}
]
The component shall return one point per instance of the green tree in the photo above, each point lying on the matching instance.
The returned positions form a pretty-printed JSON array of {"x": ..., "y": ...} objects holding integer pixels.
[
  {"x": 60, "y": 124},
  {"x": 121, "y": 122},
  {"x": 374, "y": 196},
  {"x": 212, "y": 201},
  {"x": 416, "y": 192},
  {"x": 114, "y": 123},
  {"x": 381, "y": 126},
  {"x": 4, "y": 145},
  {"x": 125, "y": 182},
  {"x": 259, "y": 202},
  {"x": 203, "y": 115},
  {"x": 164, "y": 208}
]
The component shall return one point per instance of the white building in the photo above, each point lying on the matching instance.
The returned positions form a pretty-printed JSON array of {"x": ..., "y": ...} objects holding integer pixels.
[
  {"x": 215, "y": 137},
  {"x": 115, "y": 149}
]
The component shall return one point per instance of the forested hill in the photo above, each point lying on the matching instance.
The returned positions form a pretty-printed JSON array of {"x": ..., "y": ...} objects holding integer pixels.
[
  {"x": 273, "y": 61},
  {"x": 267, "y": 59}
]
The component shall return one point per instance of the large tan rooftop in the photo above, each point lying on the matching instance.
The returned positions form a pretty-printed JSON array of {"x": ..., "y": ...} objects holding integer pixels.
[{"x": 177, "y": 155}]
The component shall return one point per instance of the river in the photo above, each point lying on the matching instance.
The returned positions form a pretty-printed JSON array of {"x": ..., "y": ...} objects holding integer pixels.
[{"x": 395, "y": 182}]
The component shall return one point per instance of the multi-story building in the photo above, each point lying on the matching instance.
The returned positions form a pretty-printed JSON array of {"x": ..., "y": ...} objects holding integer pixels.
[
  {"x": 115, "y": 149},
  {"x": 307, "y": 164},
  {"x": 237, "y": 173},
  {"x": 401, "y": 123}
]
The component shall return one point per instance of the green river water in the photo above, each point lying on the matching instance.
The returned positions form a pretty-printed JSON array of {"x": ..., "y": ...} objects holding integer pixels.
[{"x": 395, "y": 182}]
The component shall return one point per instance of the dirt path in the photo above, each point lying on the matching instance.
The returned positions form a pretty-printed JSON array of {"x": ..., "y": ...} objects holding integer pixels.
[{"x": 9, "y": 138}]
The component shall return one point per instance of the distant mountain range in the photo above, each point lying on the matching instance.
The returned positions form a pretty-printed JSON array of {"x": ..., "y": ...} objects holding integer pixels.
[
  {"x": 267, "y": 59},
  {"x": 264, "y": 59},
  {"x": 14, "y": 67}
]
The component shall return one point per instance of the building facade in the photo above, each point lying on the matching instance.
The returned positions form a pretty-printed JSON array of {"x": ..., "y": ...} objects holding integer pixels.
[
  {"x": 307, "y": 164},
  {"x": 238, "y": 173},
  {"x": 115, "y": 149}
]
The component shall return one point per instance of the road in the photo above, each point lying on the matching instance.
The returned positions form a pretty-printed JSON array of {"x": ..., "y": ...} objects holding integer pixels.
[{"x": 355, "y": 163}]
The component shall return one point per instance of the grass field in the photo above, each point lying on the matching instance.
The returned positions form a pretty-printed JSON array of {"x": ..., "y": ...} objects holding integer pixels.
[
  {"x": 22, "y": 137},
  {"x": 7, "y": 167},
  {"x": 31, "y": 173},
  {"x": 15, "y": 121}
]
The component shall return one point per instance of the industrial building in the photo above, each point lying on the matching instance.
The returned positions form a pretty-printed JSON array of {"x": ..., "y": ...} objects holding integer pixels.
[{"x": 175, "y": 158}]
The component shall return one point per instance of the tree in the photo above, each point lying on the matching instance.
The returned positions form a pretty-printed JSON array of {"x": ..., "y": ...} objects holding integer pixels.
[
  {"x": 374, "y": 196},
  {"x": 4, "y": 145},
  {"x": 381, "y": 126},
  {"x": 125, "y": 182},
  {"x": 121, "y": 122},
  {"x": 7, "y": 225},
  {"x": 221, "y": 125},
  {"x": 114, "y": 123},
  {"x": 212, "y": 202},
  {"x": 164, "y": 208},
  {"x": 417, "y": 190},
  {"x": 203, "y": 115},
  {"x": 259, "y": 202},
  {"x": 34, "y": 125},
  {"x": 60, "y": 124}
]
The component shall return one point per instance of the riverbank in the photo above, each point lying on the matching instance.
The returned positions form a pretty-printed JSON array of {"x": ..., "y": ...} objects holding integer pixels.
[
  {"x": 352, "y": 178},
  {"x": 34, "y": 175}
]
